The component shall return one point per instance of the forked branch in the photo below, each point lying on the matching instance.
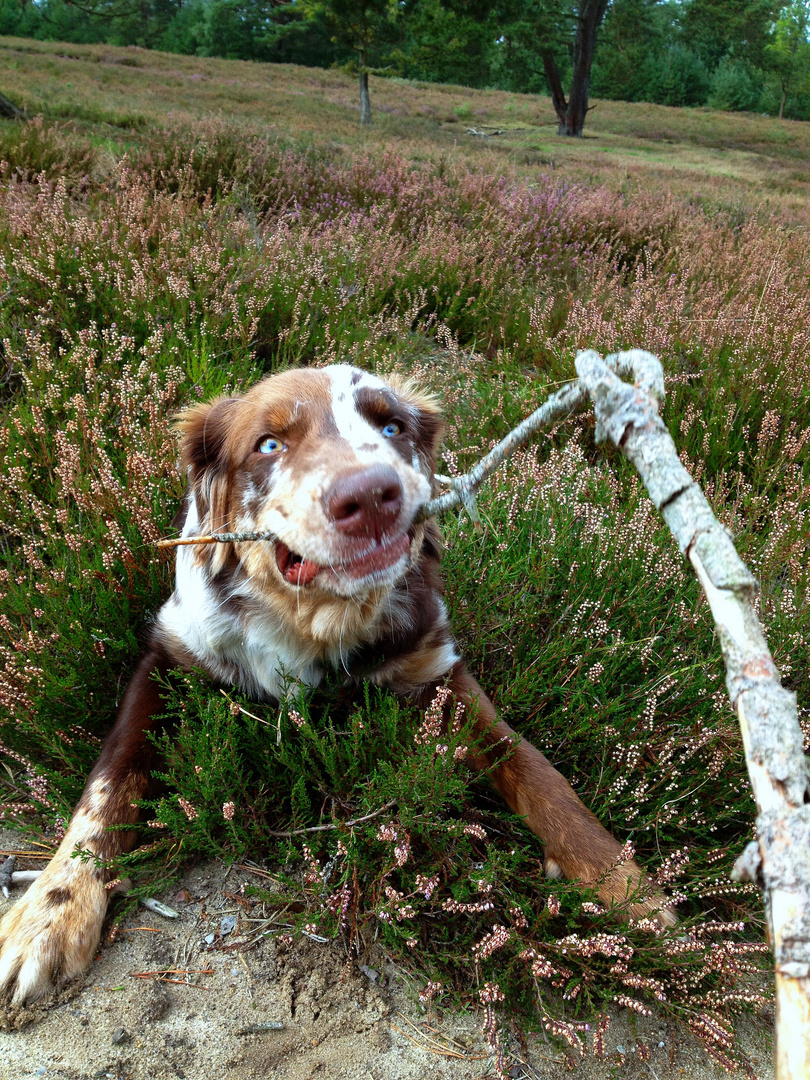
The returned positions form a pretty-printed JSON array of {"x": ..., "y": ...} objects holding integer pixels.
[
  {"x": 779, "y": 860},
  {"x": 462, "y": 488}
]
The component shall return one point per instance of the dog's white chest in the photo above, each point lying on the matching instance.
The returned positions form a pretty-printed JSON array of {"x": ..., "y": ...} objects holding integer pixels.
[{"x": 252, "y": 651}]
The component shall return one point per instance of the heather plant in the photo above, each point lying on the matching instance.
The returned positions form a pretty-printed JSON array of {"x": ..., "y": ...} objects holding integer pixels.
[
  {"x": 118, "y": 97},
  {"x": 46, "y": 150},
  {"x": 205, "y": 258}
]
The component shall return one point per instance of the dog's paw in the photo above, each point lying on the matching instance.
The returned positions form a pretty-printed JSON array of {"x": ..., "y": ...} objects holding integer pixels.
[
  {"x": 627, "y": 886},
  {"x": 623, "y": 886},
  {"x": 51, "y": 933}
]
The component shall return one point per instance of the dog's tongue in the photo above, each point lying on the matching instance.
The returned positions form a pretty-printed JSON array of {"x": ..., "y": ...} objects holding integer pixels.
[{"x": 293, "y": 568}]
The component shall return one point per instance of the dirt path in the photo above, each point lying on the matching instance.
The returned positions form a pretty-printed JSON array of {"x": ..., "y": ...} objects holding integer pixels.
[{"x": 338, "y": 1022}]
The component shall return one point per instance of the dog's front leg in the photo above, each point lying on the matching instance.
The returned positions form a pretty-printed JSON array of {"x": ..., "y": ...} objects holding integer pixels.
[
  {"x": 51, "y": 934},
  {"x": 576, "y": 845}
]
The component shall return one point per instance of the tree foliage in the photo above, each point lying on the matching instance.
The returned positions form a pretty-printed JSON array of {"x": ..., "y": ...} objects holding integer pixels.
[
  {"x": 749, "y": 54},
  {"x": 787, "y": 54}
]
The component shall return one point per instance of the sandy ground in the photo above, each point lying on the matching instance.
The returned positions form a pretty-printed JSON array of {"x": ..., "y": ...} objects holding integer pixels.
[{"x": 337, "y": 1021}]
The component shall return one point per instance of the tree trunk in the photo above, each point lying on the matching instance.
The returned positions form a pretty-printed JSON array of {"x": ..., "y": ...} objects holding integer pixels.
[
  {"x": 571, "y": 113},
  {"x": 782, "y": 104},
  {"x": 10, "y": 110},
  {"x": 365, "y": 101},
  {"x": 555, "y": 86}
]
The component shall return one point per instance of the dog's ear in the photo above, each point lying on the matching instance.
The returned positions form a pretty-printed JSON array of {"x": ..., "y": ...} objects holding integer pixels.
[
  {"x": 430, "y": 427},
  {"x": 204, "y": 431},
  {"x": 204, "y": 454}
]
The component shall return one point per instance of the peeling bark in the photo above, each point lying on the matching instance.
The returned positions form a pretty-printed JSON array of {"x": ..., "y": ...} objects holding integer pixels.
[{"x": 779, "y": 860}]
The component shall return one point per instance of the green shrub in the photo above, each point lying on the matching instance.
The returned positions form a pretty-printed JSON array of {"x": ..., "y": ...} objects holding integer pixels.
[
  {"x": 733, "y": 87},
  {"x": 677, "y": 76}
]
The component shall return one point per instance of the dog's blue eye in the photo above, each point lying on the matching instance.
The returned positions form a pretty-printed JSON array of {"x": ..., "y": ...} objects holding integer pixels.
[
  {"x": 391, "y": 429},
  {"x": 270, "y": 445}
]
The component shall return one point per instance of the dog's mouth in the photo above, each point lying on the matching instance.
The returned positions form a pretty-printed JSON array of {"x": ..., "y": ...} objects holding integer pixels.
[
  {"x": 299, "y": 571},
  {"x": 294, "y": 567}
]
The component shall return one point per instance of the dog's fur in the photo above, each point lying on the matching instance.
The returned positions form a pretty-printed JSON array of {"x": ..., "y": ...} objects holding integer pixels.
[{"x": 335, "y": 463}]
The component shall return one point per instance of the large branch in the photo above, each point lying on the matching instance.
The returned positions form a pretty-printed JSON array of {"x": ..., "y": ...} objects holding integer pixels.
[
  {"x": 780, "y": 857},
  {"x": 554, "y": 84}
]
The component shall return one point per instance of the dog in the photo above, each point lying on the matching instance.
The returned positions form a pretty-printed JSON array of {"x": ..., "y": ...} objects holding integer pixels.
[{"x": 336, "y": 463}]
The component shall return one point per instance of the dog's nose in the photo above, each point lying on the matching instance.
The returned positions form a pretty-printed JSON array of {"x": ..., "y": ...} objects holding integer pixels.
[{"x": 366, "y": 502}]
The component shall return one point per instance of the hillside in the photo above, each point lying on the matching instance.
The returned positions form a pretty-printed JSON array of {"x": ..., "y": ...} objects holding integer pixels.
[{"x": 718, "y": 160}]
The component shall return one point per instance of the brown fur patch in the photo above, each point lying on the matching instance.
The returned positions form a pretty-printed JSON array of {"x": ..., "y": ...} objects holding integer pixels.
[{"x": 58, "y": 896}]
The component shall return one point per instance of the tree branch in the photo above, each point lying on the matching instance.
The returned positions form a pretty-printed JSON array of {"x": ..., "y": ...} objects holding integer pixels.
[{"x": 780, "y": 857}]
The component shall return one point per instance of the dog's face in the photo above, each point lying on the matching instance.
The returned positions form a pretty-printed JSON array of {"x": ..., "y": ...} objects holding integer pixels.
[{"x": 333, "y": 461}]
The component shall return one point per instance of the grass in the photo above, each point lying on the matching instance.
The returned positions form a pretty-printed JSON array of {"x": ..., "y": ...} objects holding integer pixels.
[{"x": 187, "y": 225}]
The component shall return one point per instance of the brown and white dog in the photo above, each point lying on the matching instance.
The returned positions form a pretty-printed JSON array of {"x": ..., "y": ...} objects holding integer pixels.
[{"x": 336, "y": 463}]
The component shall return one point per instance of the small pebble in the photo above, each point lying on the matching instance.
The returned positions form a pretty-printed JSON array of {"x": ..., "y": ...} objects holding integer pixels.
[
  {"x": 227, "y": 924},
  {"x": 620, "y": 1048},
  {"x": 151, "y": 904},
  {"x": 120, "y": 1035},
  {"x": 258, "y": 1029}
]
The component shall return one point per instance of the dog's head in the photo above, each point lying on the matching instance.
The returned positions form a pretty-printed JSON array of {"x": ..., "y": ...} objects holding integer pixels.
[{"x": 333, "y": 461}]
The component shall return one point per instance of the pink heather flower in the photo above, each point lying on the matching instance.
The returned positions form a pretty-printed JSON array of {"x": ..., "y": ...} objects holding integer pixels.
[
  {"x": 489, "y": 943},
  {"x": 427, "y": 885},
  {"x": 432, "y": 724},
  {"x": 187, "y": 808},
  {"x": 632, "y": 1003},
  {"x": 228, "y": 810},
  {"x": 518, "y": 918},
  {"x": 627, "y": 853},
  {"x": 490, "y": 994},
  {"x": 403, "y": 850}
]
